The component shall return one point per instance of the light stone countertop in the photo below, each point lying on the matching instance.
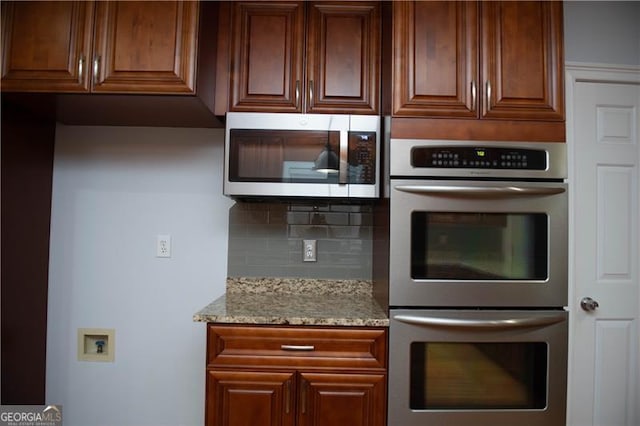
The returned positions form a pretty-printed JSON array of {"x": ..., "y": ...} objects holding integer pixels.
[{"x": 295, "y": 302}]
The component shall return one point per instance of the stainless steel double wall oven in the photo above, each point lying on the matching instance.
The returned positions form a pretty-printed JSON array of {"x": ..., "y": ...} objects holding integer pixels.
[{"x": 477, "y": 283}]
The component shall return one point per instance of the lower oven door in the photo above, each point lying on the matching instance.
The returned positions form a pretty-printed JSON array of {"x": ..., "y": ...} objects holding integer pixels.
[{"x": 477, "y": 368}]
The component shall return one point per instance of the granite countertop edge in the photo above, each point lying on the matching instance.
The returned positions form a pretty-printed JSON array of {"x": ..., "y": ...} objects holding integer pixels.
[{"x": 264, "y": 301}]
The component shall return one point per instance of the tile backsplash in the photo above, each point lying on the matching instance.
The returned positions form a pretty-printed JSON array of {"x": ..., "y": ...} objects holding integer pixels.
[{"x": 265, "y": 240}]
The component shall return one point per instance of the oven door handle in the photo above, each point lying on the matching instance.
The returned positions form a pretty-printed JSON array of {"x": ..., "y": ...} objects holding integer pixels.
[
  {"x": 479, "y": 191},
  {"x": 502, "y": 324}
]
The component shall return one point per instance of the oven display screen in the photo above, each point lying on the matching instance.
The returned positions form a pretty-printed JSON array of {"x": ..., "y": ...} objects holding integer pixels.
[{"x": 473, "y": 376}]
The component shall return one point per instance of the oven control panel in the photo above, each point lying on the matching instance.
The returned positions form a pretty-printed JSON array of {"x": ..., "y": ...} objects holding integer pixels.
[{"x": 467, "y": 157}]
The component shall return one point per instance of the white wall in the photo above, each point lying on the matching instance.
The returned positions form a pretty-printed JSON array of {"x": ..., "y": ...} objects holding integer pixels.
[
  {"x": 606, "y": 32},
  {"x": 114, "y": 190}
]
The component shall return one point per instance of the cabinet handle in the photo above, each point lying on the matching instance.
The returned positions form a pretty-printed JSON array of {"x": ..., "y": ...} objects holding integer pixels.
[
  {"x": 488, "y": 85},
  {"x": 287, "y": 397},
  {"x": 303, "y": 348},
  {"x": 96, "y": 69},
  {"x": 310, "y": 93},
  {"x": 80, "y": 68},
  {"x": 297, "y": 93},
  {"x": 473, "y": 95}
]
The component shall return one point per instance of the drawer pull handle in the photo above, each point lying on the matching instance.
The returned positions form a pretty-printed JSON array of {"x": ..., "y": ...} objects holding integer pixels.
[{"x": 297, "y": 347}]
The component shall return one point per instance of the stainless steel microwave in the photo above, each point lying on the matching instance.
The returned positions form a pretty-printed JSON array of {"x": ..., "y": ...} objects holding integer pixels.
[{"x": 302, "y": 155}]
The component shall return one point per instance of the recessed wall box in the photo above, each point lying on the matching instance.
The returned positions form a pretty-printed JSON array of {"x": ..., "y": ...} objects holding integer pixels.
[{"x": 96, "y": 344}]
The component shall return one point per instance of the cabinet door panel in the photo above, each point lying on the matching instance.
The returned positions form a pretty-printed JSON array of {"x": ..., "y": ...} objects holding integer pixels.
[
  {"x": 146, "y": 46},
  {"x": 435, "y": 58},
  {"x": 46, "y": 45},
  {"x": 343, "y": 57},
  {"x": 522, "y": 60},
  {"x": 328, "y": 399},
  {"x": 266, "y": 57},
  {"x": 237, "y": 398}
]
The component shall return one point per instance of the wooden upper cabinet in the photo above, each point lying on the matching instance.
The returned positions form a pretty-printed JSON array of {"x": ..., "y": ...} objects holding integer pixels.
[
  {"x": 495, "y": 60},
  {"x": 305, "y": 57},
  {"x": 143, "y": 46},
  {"x": 522, "y": 60},
  {"x": 106, "y": 46},
  {"x": 267, "y": 48},
  {"x": 343, "y": 57},
  {"x": 436, "y": 58},
  {"x": 45, "y": 45}
]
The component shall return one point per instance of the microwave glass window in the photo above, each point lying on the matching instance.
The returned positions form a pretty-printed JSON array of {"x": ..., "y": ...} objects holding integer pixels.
[
  {"x": 479, "y": 246},
  {"x": 284, "y": 156},
  {"x": 476, "y": 376}
]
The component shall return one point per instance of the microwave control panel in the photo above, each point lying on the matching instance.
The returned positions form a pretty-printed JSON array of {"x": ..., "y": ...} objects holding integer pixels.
[
  {"x": 466, "y": 157},
  {"x": 362, "y": 157}
]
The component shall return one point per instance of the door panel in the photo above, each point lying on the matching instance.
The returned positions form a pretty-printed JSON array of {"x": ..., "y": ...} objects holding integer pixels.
[
  {"x": 522, "y": 60},
  {"x": 267, "y": 54},
  {"x": 46, "y": 46},
  {"x": 250, "y": 398},
  {"x": 436, "y": 66},
  {"x": 604, "y": 375},
  {"x": 145, "y": 46},
  {"x": 343, "y": 57},
  {"x": 342, "y": 399}
]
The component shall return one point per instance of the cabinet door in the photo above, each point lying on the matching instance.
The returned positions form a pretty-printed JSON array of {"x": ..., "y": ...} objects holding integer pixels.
[
  {"x": 46, "y": 45},
  {"x": 435, "y": 58},
  {"x": 145, "y": 46},
  {"x": 343, "y": 57},
  {"x": 236, "y": 398},
  {"x": 328, "y": 399},
  {"x": 522, "y": 60},
  {"x": 266, "y": 56}
]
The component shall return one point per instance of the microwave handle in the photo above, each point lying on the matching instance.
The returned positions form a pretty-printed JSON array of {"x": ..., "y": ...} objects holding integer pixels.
[
  {"x": 343, "y": 175},
  {"x": 480, "y": 324},
  {"x": 479, "y": 191}
]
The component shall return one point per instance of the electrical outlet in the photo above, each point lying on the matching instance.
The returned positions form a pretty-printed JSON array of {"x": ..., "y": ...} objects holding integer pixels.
[
  {"x": 163, "y": 246},
  {"x": 309, "y": 250}
]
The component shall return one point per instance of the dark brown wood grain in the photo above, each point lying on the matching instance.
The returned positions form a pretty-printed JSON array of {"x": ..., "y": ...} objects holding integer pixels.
[
  {"x": 304, "y": 57},
  {"x": 251, "y": 379}
]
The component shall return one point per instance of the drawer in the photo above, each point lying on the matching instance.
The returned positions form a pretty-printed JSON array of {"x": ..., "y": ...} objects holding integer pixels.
[{"x": 294, "y": 347}]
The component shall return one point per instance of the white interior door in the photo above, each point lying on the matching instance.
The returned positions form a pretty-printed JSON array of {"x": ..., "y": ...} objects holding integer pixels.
[{"x": 604, "y": 371}]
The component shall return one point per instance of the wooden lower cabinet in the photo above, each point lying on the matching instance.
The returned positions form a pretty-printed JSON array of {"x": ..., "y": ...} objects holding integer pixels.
[
  {"x": 296, "y": 376},
  {"x": 236, "y": 398},
  {"x": 342, "y": 399}
]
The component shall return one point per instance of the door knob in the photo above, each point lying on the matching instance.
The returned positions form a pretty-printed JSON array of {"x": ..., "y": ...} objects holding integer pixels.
[{"x": 588, "y": 304}]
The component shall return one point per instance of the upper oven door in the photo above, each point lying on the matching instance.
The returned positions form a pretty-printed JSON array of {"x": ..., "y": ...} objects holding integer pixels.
[{"x": 457, "y": 243}]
